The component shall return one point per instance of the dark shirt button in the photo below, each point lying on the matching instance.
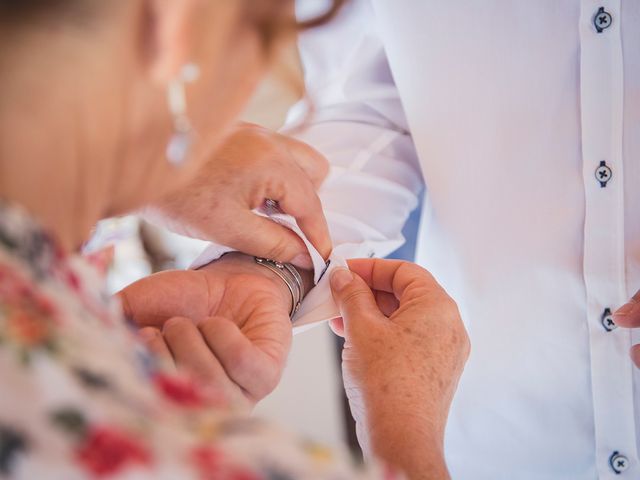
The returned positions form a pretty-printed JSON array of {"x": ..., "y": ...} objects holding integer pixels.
[
  {"x": 607, "y": 320},
  {"x": 619, "y": 463},
  {"x": 603, "y": 174},
  {"x": 602, "y": 20}
]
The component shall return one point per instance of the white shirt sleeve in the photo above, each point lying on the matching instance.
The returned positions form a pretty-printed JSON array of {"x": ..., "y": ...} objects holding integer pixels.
[{"x": 358, "y": 123}]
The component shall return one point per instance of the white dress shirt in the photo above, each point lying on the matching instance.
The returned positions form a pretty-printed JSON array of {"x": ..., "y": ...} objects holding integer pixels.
[{"x": 522, "y": 120}]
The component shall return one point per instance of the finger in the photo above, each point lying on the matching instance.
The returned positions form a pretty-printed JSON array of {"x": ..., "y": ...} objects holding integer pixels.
[
  {"x": 246, "y": 364},
  {"x": 262, "y": 237},
  {"x": 301, "y": 201},
  {"x": 337, "y": 326},
  {"x": 192, "y": 355},
  {"x": 152, "y": 338},
  {"x": 297, "y": 197},
  {"x": 628, "y": 315},
  {"x": 635, "y": 355},
  {"x": 313, "y": 163},
  {"x": 405, "y": 280},
  {"x": 387, "y": 302},
  {"x": 156, "y": 298},
  {"x": 355, "y": 300}
]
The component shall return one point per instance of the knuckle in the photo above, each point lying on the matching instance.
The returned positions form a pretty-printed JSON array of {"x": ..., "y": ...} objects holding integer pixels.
[
  {"x": 459, "y": 339},
  {"x": 352, "y": 295},
  {"x": 318, "y": 163},
  {"x": 462, "y": 338},
  {"x": 413, "y": 269},
  {"x": 323, "y": 166},
  {"x": 450, "y": 306},
  {"x": 320, "y": 168},
  {"x": 418, "y": 274},
  {"x": 466, "y": 351}
]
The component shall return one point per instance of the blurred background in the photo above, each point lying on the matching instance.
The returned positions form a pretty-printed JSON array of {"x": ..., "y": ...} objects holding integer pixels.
[{"x": 310, "y": 398}]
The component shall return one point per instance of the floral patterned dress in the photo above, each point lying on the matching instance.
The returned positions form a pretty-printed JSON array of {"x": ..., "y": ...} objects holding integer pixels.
[{"x": 81, "y": 398}]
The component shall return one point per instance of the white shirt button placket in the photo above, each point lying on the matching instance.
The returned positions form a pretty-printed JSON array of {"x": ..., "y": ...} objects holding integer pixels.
[{"x": 601, "y": 101}]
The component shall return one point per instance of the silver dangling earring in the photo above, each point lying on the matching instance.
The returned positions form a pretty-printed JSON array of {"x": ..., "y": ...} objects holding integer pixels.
[{"x": 182, "y": 139}]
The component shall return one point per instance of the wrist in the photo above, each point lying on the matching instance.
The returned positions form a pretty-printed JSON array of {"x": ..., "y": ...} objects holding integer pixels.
[
  {"x": 406, "y": 434},
  {"x": 291, "y": 278},
  {"x": 247, "y": 264},
  {"x": 409, "y": 444}
]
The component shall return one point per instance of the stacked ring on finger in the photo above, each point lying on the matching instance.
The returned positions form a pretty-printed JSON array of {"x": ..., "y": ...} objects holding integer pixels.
[{"x": 272, "y": 206}]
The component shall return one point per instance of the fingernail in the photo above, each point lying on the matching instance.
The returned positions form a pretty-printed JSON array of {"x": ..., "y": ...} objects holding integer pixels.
[
  {"x": 627, "y": 308},
  {"x": 148, "y": 333},
  {"x": 340, "y": 278},
  {"x": 302, "y": 261}
]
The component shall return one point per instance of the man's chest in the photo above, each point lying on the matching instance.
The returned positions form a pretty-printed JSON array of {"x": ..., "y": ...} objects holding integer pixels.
[{"x": 513, "y": 107}]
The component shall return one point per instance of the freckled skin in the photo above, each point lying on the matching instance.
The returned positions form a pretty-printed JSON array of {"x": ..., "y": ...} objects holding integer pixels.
[
  {"x": 401, "y": 367},
  {"x": 250, "y": 165}
]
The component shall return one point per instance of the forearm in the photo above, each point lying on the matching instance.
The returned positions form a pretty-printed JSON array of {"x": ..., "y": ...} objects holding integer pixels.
[
  {"x": 403, "y": 424},
  {"x": 371, "y": 189},
  {"x": 359, "y": 125},
  {"x": 408, "y": 444}
]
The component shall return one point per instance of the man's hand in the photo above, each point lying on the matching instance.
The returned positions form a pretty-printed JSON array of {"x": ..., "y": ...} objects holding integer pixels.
[
  {"x": 254, "y": 164},
  {"x": 628, "y": 316},
  {"x": 227, "y": 324}
]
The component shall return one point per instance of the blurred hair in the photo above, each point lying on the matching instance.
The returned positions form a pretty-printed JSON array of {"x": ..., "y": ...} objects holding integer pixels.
[
  {"x": 277, "y": 17},
  {"x": 23, "y": 11},
  {"x": 24, "y": 6},
  {"x": 272, "y": 17}
]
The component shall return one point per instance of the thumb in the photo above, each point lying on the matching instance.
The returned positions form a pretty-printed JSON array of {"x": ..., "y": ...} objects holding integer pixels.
[
  {"x": 628, "y": 315},
  {"x": 354, "y": 299},
  {"x": 267, "y": 239},
  {"x": 154, "y": 299}
]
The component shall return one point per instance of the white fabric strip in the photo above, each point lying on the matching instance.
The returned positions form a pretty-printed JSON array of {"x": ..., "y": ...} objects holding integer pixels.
[{"x": 601, "y": 95}]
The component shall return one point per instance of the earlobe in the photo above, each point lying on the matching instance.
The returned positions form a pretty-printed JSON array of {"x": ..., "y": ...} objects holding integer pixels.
[{"x": 165, "y": 34}]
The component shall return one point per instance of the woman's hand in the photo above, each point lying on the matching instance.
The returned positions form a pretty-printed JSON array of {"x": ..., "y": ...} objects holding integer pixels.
[
  {"x": 404, "y": 353},
  {"x": 253, "y": 164},
  {"x": 628, "y": 316},
  {"x": 227, "y": 324}
]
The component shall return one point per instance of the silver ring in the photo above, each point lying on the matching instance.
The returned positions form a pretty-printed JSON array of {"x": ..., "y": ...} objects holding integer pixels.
[{"x": 272, "y": 206}]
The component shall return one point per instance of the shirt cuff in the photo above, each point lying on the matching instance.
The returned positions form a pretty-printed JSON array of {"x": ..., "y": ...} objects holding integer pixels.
[{"x": 318, "y": 306}]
